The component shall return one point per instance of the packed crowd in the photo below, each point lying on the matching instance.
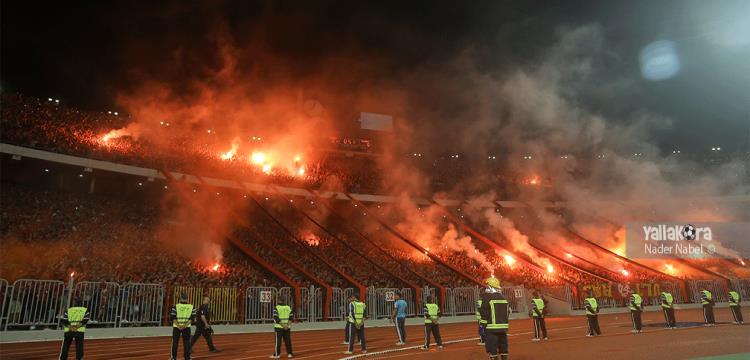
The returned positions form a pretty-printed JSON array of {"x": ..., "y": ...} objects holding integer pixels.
[
  {"x": 98, "y": 238},
  {"x": 48, "y": 125}
]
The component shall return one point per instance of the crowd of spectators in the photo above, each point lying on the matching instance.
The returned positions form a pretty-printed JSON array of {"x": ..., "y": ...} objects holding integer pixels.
[{"x": 51, "y": 235}]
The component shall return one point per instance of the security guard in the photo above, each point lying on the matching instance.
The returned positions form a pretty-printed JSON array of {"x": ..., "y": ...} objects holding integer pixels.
[
  {"x": 182, "y": 316},
  {"x": 398, "y": 317},
  {"x": 592, "y": 314},
  {"x": 495, "y": 312},
  {"x": 74, "y": 321},
  {"x": 667, "y": 305},
  {"x": 432, "y": 315},
  {"x": 538, "y": 307},
  {"x": 282, "y": 320},
  {"x": 356, "y": 315},
  {"x": 203, "y": 326},
  {"x": 734, "y": 305},
  {"x": 479, "y": 321},
  {"x": 347, "y": 327},
  {"x": 636, "y": 308},
  {"x": 707, "y": 300}
]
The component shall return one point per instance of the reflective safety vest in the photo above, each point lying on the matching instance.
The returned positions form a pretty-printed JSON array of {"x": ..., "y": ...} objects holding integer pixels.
[
  {"x": 498, "y": 315},
  {"x": 734, "y": 298},
  {"x": 594, "y": 306},
  {"x": 432, "y": 313},
  {"x": 668, "y": 297},
  {"x": 637, "y": 300},
  {"x": 476, "y": 311},
  {"x": 283, "y": 312},
  {"x": 359, "y": 313},
  {"x": 75, "y": 317},
  {"x": 539, "y": 305},
  {"x": 706, "y": 297},
  {"x": 184, "y": 313}
]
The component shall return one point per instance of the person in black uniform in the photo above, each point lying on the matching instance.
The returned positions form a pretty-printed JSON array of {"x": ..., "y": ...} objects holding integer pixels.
[
  {"x": 74, "y": 321},
  {"x": 495, "y": 312},
  {"x": 182, "y": 315},
  {"x": 203, "y": 326}
]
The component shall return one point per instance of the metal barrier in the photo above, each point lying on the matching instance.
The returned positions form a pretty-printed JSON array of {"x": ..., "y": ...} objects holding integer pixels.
[
  {"x": 380, "y": 302},
  {"x": 427, "y": 294},
  {"x": 260, "y": 301},
  {"x": 102, "y": 299},
  {"x": 194, "y": 294},
  {"x": 563, "y": 293},
  {"x": 517, "y": 298},
  {"x": 742, "y": 286},
  {"x": 311, "y": 304},
  {"x": 223, "y": 304},
  {"x": 35, "y": 303},
  {"x": 716, "y": 287},
  {"x": 339, "y": 300},
  {"x": 408, "y": 295},
  {"x": 141, "y": 304},
  {"x": 462, "y": 301},
  {"x": 3, "y": 297}
]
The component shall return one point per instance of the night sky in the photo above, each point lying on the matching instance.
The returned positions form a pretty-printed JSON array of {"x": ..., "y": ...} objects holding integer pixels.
[{"x": 87, "y": 52}]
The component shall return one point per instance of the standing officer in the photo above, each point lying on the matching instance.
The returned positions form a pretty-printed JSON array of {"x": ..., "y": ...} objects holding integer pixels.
[
  {"x": 431, "y": 313},
  {"x": 537, "y": 312},
  {"x": 707, "y": 300},
  {"x": 203, "y": 326},
  {"x": 348, "y": 325},
  {"x": 182, "y": 316},
  {"x": 356, "y": 316},
  {"x": 495, "y": 312},
  {"x": 479, "y": 321},
  {"x": 734, "y": 305},
  {"x": 74, "y": 320},
  {"x": 398, "y": 317},
  {"x": 592, "y": 314},
  {"x": 282, "y": 318},
  {"x": 636, "y": 308},
  {"x": 667, "y": 305}
]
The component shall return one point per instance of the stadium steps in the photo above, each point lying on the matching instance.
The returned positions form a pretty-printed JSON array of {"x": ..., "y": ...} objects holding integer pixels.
[{"x": 352, "y": 249}]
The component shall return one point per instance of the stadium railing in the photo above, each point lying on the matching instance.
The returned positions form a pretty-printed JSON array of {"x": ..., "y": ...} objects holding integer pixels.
[
  {"x": 461, "y": 301},
  {"x": 3, "y": 297},
  {"x": 338, "y": 303},
  {"x": 717, "y": 288},
  {"x": 102, "y": 299},
  {"x": 141, "y": 304},
  {"x": 380, "y": 302},
  {"x": 35, "y": 303},
  {"x": 311, "y": 304},
  {"x": 223, "y": 304},
  {"x": 260, "y": 302},
  {"x": 742, "y": 286},
  {"x": 408, "y": 295}
]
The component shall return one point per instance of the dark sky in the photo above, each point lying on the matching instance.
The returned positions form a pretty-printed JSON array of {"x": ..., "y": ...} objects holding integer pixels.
[{"x": 86, "y": 52}]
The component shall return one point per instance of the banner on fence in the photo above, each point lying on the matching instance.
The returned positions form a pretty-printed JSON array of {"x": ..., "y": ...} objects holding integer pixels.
[{"x": 223, "y": 302}]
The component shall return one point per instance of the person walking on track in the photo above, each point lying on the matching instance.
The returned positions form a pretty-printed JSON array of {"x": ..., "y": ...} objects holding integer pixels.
[
  {"x": 203, "y": 326},
  {"x": 74, "y": 321},
  {"x": 495, "y": 312},
  {"x": 398, "y": 317}
]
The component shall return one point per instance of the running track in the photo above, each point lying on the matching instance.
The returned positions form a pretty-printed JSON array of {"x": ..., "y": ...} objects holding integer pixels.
[{"x": 566, "y": 333}]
